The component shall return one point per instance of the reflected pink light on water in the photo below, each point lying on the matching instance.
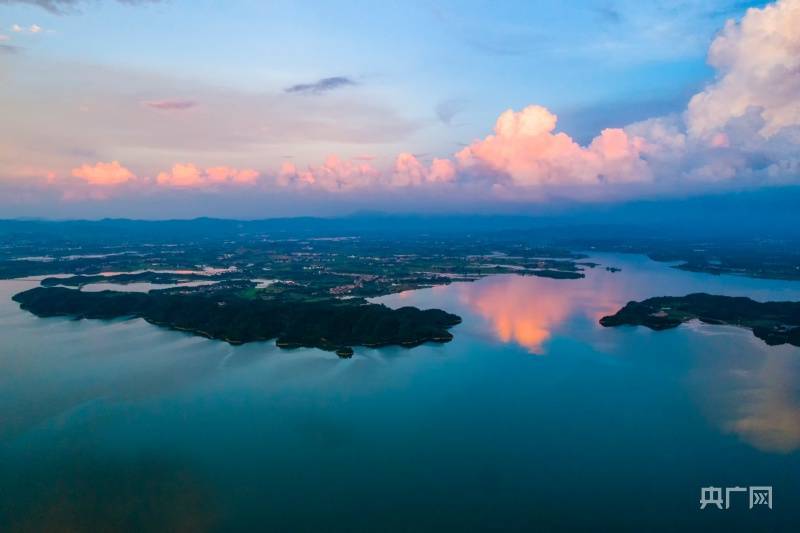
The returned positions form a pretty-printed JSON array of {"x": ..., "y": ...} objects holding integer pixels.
[{"x": 527, "y": 313}]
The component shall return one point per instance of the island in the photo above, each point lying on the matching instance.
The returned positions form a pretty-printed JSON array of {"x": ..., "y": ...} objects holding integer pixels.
[
  {"x": 556, "y": 274},
  {"x": 773, "y": 322},
  {"x": 125, "y": 278},
  {"x": 232, "y": 314}
]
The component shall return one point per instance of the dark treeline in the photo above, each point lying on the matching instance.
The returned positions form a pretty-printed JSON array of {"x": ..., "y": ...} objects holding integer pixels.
[{"x": 328, "y": 324}]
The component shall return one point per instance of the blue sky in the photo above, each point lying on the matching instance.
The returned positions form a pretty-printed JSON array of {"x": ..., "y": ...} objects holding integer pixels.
[{"x": 569, "y": 57}]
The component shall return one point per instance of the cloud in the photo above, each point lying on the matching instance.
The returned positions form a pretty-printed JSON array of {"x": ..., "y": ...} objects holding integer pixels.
[
  {"x": 321, "y": 86},
  {"x": 8, "y": 49},
  {"x": 759, "y": 63},
  {"x": 170, "y": 105},
  {"x": 335, "y": 175},
  {"x": 409, "y": 171},
  {"x": 33, "y": 28},
  {"x": 447, "y": 110},
  {"x": 245, "y": 176},
  {"x": 744, "y": 127},
  {"x": 341, "y": 175},
  {"x": 104, "y": 174},
  {"x": 189, "y": 176},
  {"x": 181, "y": 175},
  {"x": 525, "y": 151},
  {"x": 63, "y": 7}
]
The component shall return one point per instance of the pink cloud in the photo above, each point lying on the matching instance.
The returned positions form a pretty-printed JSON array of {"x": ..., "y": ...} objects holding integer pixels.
[
  {"x": 338, "y": 174},
  {"x": 187, "y": 175},
  {"x": 334, "y": 175},
  {"x": 181, "y": 175},
  {"x": 442, "y": 170},
  {"x": 720, "y": 140},
  {"x": 245, "y": 176},
  {"x": 104, "y": 174},
  {"x": 526, "y": 151},
  {"x": 32, "y": 172},
  {"x": 409, "y": 171}
]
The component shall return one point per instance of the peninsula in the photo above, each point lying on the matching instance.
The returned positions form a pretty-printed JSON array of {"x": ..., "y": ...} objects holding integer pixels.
[{"x": 773, "y": 322}]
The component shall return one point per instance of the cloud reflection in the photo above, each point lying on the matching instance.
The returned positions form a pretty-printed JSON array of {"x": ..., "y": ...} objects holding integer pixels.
[
  {"x": 527, "y": 311},
  {"x": 746, "y": 388},
  {"x": 757, "y": 398}
]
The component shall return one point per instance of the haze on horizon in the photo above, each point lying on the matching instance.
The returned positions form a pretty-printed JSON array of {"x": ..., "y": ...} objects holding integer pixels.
[{"x": 158, "y": 109}]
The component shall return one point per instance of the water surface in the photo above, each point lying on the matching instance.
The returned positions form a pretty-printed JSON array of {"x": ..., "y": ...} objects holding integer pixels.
[{"x": 533, "y": 418}]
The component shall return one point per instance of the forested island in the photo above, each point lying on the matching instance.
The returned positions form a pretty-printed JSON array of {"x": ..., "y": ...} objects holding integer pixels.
[
  {"x": 773, "y": 322},
  {"x": 155, "y": 278},
  {"x": 326, "y": 323}
]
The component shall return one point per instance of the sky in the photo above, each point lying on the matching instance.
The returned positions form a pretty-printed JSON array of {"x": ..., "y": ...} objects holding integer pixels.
[{"x": 180, "y": 108}]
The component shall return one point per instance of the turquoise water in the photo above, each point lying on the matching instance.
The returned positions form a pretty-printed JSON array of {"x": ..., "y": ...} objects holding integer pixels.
[{"x": 533, "y": 418}]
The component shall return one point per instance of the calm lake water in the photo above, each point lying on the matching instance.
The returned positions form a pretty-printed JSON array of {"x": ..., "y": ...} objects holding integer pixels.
[{"x": 533, "y": 418}]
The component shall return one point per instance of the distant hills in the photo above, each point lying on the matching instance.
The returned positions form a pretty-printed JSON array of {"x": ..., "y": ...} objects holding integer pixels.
[{"x": 767, "y": 212}]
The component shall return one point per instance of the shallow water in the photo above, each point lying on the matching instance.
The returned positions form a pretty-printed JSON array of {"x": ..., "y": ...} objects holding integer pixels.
[{"x": 534, "y": 417}]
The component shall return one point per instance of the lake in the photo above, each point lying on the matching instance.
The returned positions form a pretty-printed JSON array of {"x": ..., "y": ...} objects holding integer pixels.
[{"x": 533, "y": 418}]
